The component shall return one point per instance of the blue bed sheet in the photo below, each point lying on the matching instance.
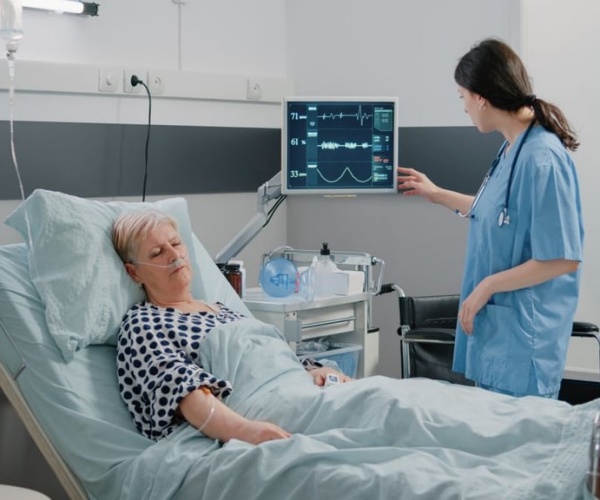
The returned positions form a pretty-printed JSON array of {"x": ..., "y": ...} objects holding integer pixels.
[{"x": 372, "y": 438}]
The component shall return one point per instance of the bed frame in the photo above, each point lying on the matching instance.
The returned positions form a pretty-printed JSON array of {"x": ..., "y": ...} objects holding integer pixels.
[{"x": 8, "y": 383}]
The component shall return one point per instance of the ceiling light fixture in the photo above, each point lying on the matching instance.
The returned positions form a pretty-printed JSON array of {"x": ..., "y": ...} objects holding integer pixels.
[{"x": 66, "y": 6}]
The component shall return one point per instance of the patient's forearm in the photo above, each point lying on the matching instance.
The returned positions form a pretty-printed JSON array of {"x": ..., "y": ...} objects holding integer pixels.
[
  {"x": 224, "y": 424},
  {"x": 196, "y": 409}
]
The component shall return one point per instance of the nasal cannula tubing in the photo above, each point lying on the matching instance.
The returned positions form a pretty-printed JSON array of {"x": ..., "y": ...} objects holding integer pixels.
[{"x": 175, "y": 263}]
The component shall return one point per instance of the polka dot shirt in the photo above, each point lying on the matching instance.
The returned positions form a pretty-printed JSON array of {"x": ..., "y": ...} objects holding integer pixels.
[{"x": 158, "y": 363}]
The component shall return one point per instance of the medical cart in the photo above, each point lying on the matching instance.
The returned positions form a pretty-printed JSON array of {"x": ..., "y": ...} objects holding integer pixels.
[{"x": 345, "y": 318}]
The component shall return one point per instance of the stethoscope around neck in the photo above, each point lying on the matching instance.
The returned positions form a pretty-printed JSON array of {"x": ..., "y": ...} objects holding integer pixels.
[{"x": 503, "y": 216}]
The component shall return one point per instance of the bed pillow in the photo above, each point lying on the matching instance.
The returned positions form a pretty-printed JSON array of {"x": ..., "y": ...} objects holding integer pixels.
[{"x": 75, "y": 269}]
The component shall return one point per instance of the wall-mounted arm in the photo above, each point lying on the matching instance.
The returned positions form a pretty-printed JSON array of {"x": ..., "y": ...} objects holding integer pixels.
[{"x": 265, "y": 193}]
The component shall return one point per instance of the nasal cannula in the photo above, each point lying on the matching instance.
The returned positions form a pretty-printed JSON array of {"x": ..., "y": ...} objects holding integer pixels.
[{"x": 176, "y": 263}]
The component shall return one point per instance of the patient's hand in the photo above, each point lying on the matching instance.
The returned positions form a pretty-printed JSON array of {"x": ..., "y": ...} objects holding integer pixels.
[
  {"x": 257, "y": 431},
  {"x": 319, "y": 375}
]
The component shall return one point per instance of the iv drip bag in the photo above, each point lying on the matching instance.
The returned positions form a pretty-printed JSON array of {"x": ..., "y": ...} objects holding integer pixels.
[{"x": 11, "y": 23}]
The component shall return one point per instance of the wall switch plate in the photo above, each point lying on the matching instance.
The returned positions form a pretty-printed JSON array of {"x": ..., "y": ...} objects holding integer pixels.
[
  {"x": 127, "y": 74},
  {"x": 156, "y": 82},
  {"x": 108, "y": 79}
]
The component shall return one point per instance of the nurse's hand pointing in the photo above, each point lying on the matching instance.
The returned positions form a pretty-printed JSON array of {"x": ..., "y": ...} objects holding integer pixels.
[
  {"x": 478, "y": 298},
  {"x": 413, "y": 182}
]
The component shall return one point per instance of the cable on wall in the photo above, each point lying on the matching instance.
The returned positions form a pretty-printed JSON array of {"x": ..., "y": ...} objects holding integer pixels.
[{"x": 135, "y": 81}]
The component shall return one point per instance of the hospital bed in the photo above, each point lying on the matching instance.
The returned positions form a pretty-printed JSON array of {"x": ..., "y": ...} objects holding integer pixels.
[{"x": 61, "y": 297}]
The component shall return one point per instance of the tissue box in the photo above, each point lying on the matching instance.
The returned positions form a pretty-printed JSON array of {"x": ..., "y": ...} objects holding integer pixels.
[
  {"x": 339, "y": 283},
  {"x": 336, "y": 283},
  {"x": 350, "y": 282}
]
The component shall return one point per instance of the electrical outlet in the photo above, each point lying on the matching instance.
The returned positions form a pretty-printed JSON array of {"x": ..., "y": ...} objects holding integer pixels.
[
  {"x": 127, "y": 74},
  {"x": 108, "y": 79},
  {"x": 155, "y": 82},
  {"x": 253, "y": 89}
]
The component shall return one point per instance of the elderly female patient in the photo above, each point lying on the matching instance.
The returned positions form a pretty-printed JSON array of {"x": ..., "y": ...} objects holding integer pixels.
[{"x": 160, "y": 378}]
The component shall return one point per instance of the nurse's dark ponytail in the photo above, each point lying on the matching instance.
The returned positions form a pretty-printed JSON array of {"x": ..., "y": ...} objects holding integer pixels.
[
  {"x": 552, "y": 118},
  {"x": 494, "y": 71}
]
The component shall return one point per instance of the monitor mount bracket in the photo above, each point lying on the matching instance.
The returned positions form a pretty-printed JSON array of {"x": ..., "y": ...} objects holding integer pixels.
[{"x": 268, "y": 191}]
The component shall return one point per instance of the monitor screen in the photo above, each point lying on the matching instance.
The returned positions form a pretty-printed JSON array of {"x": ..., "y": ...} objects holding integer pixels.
[{"x": 339, "y": 145}]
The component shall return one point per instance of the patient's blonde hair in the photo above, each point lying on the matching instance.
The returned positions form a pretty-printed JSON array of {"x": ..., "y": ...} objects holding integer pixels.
[{"x": 131, "y": 227}]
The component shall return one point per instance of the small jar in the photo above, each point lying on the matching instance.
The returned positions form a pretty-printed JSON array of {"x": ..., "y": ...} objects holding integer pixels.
[
  {"x": 233, "y": 273},
  {"x": 243, "y": 271}
]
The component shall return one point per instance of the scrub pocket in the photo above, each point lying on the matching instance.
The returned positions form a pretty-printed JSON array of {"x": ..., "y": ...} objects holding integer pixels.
[
  {"x": 490, "y": 336},
  {"x": 504, "y": 349}
]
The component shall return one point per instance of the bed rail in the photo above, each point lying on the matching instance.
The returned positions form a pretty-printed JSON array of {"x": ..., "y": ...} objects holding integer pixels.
[
  {"x": 23, "y": 364},
  {"x": 593, "y": 475}
]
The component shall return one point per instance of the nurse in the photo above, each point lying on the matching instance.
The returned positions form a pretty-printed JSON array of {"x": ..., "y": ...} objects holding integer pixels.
[{"x": 521, "y": 278}]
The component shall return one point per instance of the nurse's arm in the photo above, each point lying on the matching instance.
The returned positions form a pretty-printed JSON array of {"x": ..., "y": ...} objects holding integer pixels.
[
  {"x": 412, "y": 182},
  {"x": 457, "y": 202},
  {"x": 530, "y": 273}
]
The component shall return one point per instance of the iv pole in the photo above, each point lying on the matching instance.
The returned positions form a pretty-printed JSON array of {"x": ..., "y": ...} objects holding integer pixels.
[{"x": 265, "y": 193}]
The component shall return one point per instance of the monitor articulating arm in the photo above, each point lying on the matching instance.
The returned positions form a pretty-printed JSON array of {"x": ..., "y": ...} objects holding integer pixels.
[{"x": 270, "y": 190}]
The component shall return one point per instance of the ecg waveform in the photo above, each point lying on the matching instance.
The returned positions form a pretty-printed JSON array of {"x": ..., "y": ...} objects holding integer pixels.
[
  {"x": 346, "y": 169},
  {"x": 346, "y": 145},
  {"x": 359, "y": 115}
]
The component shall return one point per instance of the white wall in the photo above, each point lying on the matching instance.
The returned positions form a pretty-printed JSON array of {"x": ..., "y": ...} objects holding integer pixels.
[
  {"x": 560, "y": 47},
  {"x": 406, "y": 49},
  {"x": 223, "y": 41},
  {"x": 388, "y": 47}
]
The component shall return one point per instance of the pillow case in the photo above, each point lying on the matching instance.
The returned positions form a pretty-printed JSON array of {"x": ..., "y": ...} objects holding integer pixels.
[{"x": 75, "y": 268}]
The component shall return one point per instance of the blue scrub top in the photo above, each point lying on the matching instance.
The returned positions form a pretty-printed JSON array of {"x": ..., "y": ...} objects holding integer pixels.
[{"x": 520, "y": 339}]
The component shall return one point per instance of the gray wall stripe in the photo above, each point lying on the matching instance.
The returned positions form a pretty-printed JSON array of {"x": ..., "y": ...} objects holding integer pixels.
[{"x": 106, "y": 160}]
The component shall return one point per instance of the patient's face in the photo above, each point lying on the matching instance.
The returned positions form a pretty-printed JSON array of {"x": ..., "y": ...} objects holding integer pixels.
[{"x": 162, "y": 247}]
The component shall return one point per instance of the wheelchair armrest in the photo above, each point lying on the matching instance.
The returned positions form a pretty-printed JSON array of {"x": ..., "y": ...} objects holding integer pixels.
[
  {"x": 584, "y": 327},
  {"x": 416, "y": 311},
  {"x": 429, "y": 335},
  {"x": 449, "y": 323}
]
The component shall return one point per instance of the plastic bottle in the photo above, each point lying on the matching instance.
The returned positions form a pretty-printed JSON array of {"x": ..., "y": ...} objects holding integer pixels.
[
  {"x": 323, "y": 266},
  {"x": 307, "y": 283}
]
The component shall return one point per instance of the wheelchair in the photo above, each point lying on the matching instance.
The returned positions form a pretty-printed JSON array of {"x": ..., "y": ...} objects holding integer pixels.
[{"x": 427, "y": 329}]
